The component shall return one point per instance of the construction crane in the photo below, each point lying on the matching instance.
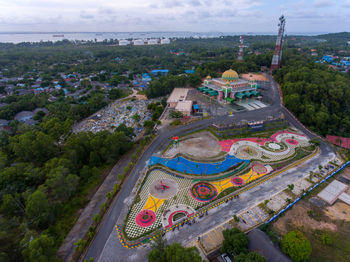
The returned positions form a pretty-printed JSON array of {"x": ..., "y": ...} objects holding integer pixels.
[
  {"x": 277, "y": 56},
  {"x": 240, "y": 53}
]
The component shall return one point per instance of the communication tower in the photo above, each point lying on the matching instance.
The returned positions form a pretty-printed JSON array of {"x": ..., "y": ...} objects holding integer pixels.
[
  {"x": 277, "y": 56},
  {"x": 240, "y": 53}
]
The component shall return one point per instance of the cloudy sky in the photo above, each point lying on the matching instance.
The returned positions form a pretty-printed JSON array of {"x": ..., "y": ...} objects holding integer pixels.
[{"x": 173, "y": 15}]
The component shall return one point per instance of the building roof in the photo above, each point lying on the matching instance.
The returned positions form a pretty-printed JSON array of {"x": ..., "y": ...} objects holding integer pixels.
[
  {"x": 230, "y": 75},
  {"x": 162, "y": 71},
  {"x": 178, "y": 94},
  {"x": 24, "y": 115},
  {"x": 184, "y": 106},
  {"x": 339, "y": 141},
  {"x": 332, "y": 191},
  {"x": 4, "y": 122}
]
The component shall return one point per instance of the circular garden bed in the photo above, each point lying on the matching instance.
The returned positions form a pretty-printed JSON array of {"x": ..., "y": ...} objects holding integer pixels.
[
  {"x": 237, "y": 181},
  {"x": 145, "y": 218},
  {"x": 203, "y": 192}
]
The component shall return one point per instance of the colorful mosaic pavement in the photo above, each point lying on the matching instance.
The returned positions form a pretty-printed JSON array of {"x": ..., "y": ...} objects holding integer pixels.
[
  {"x": 165, "y": 198},
  {"x": 279, "y": 146}
]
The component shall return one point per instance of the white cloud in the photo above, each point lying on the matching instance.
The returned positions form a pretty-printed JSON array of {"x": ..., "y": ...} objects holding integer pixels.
[
  {"x": 165, "y": 15},
  {"x": 346, "y": 4},
  {"x": 85, "y": 15},
  {"x": 323, "y": 3}
]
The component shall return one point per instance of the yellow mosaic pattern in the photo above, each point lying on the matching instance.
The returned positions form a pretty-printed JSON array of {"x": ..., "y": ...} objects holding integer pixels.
[
  {"x": 251, "y": 176},
  {"x": 226, "y": 183},
  {"x": 153, "y": 203},
  {"x": 222, "y": 185}
]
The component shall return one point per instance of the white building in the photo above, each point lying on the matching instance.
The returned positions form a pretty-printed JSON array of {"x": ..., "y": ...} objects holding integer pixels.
[
  {"x": 124, "y": 42},
  {"x": 152, "y": 42},
  {"x": 185, "y": 107},
  {"x": 165, "y": 41},
  {"x": 139, "y": 42},
  {"x": 178, "y": 94}
]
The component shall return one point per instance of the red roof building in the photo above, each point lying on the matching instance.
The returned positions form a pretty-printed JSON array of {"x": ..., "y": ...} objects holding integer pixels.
[{"x": 339, "y": 141}]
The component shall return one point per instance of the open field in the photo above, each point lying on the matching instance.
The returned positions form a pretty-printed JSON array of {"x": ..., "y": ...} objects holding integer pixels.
[
  {"x": 326, "y": 227},
  {"x": 255, "y": 77},
  {"x": 200, "y": 145}
]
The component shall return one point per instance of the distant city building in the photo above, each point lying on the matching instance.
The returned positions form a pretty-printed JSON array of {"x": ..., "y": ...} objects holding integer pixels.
[
  {"x": 229, "y": 87},
  {"x": 138, "y": 42},
  {"x": 124, "y": 42},
  {"x": 165, "y": 41},
  {"x": 152, "y": 42}
]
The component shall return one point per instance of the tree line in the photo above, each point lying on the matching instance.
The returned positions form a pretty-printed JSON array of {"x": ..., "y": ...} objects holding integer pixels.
[{"x": 317, "y": 95}]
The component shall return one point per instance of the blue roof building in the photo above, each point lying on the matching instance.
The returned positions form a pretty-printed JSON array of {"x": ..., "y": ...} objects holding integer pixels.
[
  {"x": 345, "y": 62},
  {"x": 146, "y": 77},
  {"x": 189, "y": 72},
  {"x": 327, "y": 58},
  {"x": 160, "y": 71}
]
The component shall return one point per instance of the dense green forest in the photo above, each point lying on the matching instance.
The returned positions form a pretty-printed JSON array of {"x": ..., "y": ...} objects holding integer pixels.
[
  {"x": 318, "y": 96},
  {"x": 43, "y": 183}
]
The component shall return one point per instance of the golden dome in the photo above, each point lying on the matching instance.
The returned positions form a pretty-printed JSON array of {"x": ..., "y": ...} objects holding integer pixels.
[
  {"x": 208, "y": 77},
  {"x": 230, "y": 75}
]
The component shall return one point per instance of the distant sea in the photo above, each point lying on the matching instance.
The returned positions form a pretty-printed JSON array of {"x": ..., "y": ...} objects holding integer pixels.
[{"x": 18, "y": 37}]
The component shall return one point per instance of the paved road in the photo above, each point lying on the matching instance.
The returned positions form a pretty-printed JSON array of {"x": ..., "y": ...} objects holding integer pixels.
[{"x": 106, "y": 245}]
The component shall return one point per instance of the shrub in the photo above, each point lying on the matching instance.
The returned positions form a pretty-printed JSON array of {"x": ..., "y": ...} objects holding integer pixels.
[
  {"x": 326, "y": 239},
  {"x": 97, "y": 218},
  {"x": 176, "y": 122},
  {"x": 296, "y": 245},
  {"x": 120, "y": 177}
]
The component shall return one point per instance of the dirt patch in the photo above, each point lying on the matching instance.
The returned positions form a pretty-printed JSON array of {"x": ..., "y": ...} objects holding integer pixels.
[
  {"x": 255, "y": 77},
  {"x": 298, "y": 217},
  {"x": 346, "y": 173},
  {"x": 339, "y": 210},
  {"x": 199, "y": 145}
]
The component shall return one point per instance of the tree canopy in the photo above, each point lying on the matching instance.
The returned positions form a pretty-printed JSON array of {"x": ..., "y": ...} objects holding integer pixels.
[
  {"x": 319, "y": 97},
  {"x": 235, "y": 241},
  {"x": 296, "y": 245},
  {"x": 172, "y": 253}
]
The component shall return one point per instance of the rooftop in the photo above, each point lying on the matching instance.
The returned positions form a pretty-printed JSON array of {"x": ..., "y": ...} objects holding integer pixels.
[
  {"x": 332, "y": 191},
  {"x": 178, "y": 94},
  {"x": 184, "y": 106}
]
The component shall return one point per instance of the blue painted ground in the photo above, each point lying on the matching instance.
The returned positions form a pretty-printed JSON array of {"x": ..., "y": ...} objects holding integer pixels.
[{"x": 190, "y": 167}]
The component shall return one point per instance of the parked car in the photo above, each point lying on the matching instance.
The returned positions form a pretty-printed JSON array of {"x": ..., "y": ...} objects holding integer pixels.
[{"x": 226, "y": 258}]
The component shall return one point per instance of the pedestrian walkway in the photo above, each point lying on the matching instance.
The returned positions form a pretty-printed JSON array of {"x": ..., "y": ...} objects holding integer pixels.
[
  {"x": 252, "y": 217},
  {"x": 253, "y": 105}
]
